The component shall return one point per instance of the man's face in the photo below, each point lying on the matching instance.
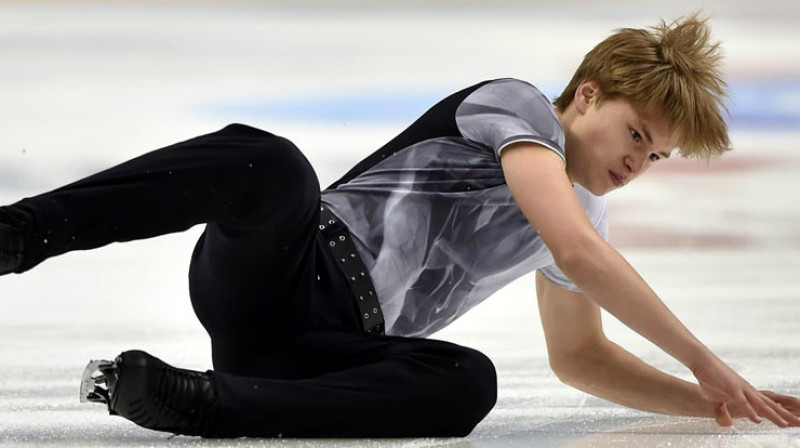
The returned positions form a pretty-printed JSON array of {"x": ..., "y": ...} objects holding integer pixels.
[{"x": 611, "y": 144}]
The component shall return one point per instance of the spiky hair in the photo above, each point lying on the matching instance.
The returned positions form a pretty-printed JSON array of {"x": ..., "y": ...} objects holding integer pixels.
[{"x": 671, "y": 70}]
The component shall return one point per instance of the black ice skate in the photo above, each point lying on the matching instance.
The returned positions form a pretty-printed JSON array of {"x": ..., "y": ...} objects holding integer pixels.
[{"x": 151, "y": 393}]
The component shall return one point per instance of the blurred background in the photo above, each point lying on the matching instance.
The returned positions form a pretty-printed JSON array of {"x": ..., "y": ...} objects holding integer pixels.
[{"x": 88, "y": 84}]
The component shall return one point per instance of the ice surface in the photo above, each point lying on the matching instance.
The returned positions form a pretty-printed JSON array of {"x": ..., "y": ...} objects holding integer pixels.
[{"x": 88, "y": 84}]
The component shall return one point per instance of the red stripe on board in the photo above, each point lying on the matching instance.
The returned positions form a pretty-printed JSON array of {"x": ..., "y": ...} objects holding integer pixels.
[
  {"x": 649, "y": 237},
  {"x": 722, "y": 165}
]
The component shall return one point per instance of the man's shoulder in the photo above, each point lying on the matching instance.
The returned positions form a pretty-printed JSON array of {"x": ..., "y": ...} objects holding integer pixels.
[
  {"x": 511, "y": 93},
  {"x": 507, "y": 82}
]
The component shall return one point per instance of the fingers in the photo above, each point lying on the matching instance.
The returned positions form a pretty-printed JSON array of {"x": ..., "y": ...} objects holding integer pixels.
[
  {"x": 723, "y": 417},
  {"x": 779, "y": 408},
  {"x": 748, "y": 410},
  {"x": 788, "y": 402},
  {"x": 720, "y": 384},
  {"x": 764, "y": 407}
]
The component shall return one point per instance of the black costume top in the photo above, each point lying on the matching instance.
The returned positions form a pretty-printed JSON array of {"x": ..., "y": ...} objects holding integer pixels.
[{"x": 432, "y": 216}]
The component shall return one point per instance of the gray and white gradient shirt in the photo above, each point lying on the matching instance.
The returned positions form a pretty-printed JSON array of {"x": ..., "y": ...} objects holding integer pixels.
[{"x": 432, "y": 216}]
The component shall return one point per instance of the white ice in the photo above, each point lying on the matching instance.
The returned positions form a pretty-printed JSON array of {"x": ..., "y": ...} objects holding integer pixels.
[{"x": 87, "y": 84}]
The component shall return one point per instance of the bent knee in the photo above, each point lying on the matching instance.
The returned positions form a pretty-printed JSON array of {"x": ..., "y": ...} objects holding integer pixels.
[
  {"x": 276, "y": 160},
  {"x": 276, "y": 172},
  {"x": 475, "y": 391}
]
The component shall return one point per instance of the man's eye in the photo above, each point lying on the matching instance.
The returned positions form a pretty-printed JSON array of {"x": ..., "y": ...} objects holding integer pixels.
[
  {"x": 636, "y": 136},
  {"x": 654, "y": 157}
]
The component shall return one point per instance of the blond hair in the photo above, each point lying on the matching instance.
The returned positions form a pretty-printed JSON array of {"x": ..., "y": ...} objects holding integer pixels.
[{"x": 671, "y": 70}]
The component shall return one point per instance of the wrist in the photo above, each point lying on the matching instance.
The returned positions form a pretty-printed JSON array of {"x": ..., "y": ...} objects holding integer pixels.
[{"x": 697, "y": 356}]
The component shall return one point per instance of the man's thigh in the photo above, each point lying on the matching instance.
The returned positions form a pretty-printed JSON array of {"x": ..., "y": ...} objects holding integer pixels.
[{"x": 250, "y": 275}]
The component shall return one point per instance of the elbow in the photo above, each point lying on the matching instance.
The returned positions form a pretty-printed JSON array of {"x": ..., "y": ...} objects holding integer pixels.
[
  {"x": 561, "y": 370},
  {"x": 568, "y": 371},
  {"x": 576, "y": 366}
]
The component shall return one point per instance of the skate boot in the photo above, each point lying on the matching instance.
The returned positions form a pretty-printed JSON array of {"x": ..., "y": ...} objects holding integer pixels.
[
  {"x": 151, "y": 393},
  {"x": 11, "y": 242}
]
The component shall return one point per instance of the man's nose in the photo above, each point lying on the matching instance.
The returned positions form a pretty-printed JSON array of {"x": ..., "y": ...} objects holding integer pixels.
[{"x": 633, "y": 163}]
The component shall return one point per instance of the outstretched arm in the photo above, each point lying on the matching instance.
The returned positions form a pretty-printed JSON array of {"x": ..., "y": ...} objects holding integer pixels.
[
  {"x": 582, "y": 357},
  {"x": 539, "y": 185}
]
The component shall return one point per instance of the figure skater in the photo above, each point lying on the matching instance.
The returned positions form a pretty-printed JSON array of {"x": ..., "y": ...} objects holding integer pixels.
[{"x": 318, "y": 303}]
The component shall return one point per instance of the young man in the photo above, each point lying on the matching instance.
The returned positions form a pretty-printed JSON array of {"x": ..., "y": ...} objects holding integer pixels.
[{"x": 317, "y": 302}]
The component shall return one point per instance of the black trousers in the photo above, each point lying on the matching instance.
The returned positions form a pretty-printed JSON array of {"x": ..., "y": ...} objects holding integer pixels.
[{"x": 289, "y": 356}]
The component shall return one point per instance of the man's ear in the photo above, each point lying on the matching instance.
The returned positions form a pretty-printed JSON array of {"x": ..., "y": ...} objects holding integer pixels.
[{"x": 587, "y": 92}]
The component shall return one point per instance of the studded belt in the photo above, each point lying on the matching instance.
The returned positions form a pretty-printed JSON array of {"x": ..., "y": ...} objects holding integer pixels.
[{"x": 341, "y": 245}]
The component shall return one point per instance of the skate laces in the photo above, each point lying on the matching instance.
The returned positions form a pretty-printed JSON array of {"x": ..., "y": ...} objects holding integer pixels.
[{"x": 185, "y": 397}]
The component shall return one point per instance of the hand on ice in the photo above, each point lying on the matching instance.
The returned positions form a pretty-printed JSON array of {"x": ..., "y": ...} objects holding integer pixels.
[
  {"x": 734, "y": 397},
  {"x": 726, "y": 412}
]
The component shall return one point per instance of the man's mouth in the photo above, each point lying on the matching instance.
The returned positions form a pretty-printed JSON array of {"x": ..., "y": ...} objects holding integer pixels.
[{"x": 616, "y": 179}]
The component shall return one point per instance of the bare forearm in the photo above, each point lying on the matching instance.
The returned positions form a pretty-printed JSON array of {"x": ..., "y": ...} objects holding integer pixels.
[
  {"x": 612, "y": 373},
  {"x": 612, "y": 283}
]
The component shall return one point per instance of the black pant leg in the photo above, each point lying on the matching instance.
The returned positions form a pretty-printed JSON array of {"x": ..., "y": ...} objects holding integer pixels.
[
  {"x": 213, "y": 178},
  {"x": 258, "y": 194},
  {"x": 261, "y": 352},
  {"x": 351, "y": 384},
  {"x": 253, "y": 284}
]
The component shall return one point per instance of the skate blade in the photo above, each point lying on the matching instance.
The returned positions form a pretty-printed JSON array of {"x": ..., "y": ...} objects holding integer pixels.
[{"x": 94, "y": 383}]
